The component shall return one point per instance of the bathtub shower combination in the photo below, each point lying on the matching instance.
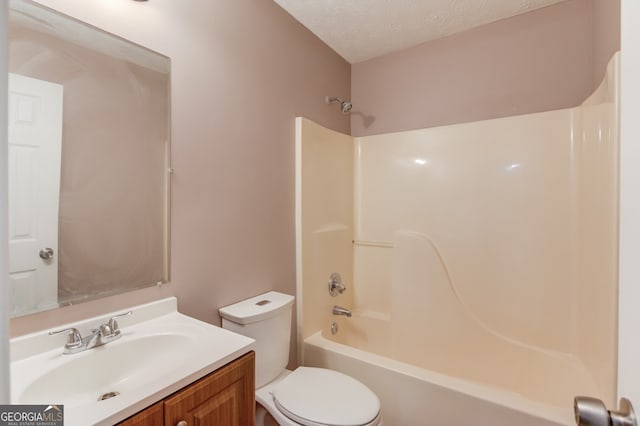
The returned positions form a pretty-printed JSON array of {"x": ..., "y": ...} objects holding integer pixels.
[{"x": 479, "y": 260}]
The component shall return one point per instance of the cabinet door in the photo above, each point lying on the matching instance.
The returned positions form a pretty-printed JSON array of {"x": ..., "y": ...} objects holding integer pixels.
[
  {"x": 152, "y": 416},
  {"x": 225, "y": 397}
]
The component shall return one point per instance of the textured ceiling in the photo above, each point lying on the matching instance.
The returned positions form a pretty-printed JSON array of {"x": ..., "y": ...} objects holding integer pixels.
[{"x": 362, "y": 29}]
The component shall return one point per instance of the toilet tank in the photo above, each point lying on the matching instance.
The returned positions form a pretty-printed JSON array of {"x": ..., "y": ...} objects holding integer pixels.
[{"x": 267, "y": 319}]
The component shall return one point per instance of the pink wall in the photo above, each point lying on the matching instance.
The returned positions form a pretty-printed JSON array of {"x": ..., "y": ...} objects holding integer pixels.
[
  {"x": 539, "y": 61},
  {"x": 241, "y": 72},
  {"x": 606, "y": 35}
]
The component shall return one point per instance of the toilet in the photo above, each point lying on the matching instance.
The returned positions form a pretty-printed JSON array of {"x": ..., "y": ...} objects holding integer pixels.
[{"x": 306, "y": 396}]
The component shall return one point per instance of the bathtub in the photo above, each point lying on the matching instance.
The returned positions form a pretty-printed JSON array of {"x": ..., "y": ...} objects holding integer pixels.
[
  {"x": 418, "y": 396},
  {"x": 480, "y": 261}
]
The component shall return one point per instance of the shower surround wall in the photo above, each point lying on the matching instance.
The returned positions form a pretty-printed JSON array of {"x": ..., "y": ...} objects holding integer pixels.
[
  {"x": 484, "y": 251},
  {"x": 324, "y": 163}
]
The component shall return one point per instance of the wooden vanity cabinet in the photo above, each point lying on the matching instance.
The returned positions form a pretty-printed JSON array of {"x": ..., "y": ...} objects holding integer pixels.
[
  {"x": 225, "y": 397},
  {"x": 150, "y": 416}
]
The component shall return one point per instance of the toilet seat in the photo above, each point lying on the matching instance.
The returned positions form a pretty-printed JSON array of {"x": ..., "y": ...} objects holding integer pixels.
[{"x": 321, "y": 397}]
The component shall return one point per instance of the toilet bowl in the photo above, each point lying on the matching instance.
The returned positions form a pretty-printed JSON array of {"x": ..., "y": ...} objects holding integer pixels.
[
  {"x": 309, "y": 396},
  {"x": 306, "y": 396}
]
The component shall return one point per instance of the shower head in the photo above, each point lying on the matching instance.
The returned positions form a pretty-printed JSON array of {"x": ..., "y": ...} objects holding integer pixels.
[{"x": 345, "y": 106}]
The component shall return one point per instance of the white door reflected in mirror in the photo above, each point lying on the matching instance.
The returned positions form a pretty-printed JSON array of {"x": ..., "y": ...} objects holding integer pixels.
[{"x": 35, "y": 144}]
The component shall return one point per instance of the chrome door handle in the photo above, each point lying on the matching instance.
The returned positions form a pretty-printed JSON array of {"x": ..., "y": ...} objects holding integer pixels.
[
  {"x": 592, "y": 412},
  {"x": 46, "y": 253}
]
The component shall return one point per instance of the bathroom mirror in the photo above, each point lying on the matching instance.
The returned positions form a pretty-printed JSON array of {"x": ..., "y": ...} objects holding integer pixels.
[{"x": 88, "y": 161}]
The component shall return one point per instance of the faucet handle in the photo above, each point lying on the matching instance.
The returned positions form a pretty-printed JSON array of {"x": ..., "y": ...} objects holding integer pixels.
[
  {"x": 74, "y": 338},
  {"x": 335, "y": 284},
  {"x": 104, "y": 330},
  {"x": 113, "y": 324}
]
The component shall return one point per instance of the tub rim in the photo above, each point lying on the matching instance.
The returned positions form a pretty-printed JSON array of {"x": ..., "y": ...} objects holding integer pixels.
[{"x": 490, "y": 394}]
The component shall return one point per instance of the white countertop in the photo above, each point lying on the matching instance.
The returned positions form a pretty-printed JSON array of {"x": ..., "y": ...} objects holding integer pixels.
[{"x": 185, "y": 350}]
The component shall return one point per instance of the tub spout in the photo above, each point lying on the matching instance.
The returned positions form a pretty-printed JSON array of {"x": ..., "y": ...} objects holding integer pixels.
[{"x": 338, "y": 310}]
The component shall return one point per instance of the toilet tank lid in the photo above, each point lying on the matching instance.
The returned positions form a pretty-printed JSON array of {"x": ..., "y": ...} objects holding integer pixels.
[{"x": 257, "y": 308}]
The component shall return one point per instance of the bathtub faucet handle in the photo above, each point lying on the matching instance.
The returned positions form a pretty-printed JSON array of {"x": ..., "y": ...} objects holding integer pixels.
[{"x": 335, "y": 284}]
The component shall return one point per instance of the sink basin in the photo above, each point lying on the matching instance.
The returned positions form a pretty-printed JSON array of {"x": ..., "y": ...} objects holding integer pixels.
[
  {"x": 160, "y": 352},
  {"x": 114, "y": 367}
]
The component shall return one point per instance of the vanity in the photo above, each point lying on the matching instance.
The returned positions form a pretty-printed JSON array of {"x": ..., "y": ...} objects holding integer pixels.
[
  {"x": 224, "y": 397},
  {"x": 166, "y": 368}
]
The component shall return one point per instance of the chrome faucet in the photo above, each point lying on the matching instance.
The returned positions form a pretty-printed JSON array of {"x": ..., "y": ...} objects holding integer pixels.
[
  {"x": 338, "y": 310},
  {"x": 335, "y": 285},
  {"x": 107, "y": 332}
]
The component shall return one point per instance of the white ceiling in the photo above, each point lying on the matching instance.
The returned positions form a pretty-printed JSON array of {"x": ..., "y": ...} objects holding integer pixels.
[{"x": 362, "y": 29}]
